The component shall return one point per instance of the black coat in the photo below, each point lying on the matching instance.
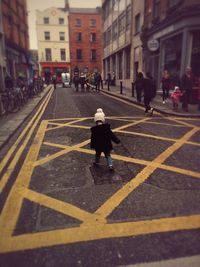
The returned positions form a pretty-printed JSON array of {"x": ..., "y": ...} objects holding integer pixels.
[
  {"x": 102, "y": 137},
  {"x": 149, "y": 88}
]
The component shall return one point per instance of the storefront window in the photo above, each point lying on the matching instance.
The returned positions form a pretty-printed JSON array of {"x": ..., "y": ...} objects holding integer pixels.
[
  {"x": 172, "y": 56},
  {"x": 195, "y": 55}
]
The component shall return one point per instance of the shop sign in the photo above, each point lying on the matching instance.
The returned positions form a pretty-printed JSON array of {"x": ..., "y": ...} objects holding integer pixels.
[{"x": 153, "y": 44}]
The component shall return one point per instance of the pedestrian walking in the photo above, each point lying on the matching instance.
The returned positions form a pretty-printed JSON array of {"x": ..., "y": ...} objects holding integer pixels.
[
  {"x": 149, "y": 93},
  {"x": 175, "y": 96},
  {"x": 76, "y": 82},
  {"x": 101, "y": 139},
  {"x": 97, "y": 80},
  {"x": 82, "y": 81},
  {"x": 54, "y": 79},
  {"x": 166, "y": 85},
  {"x": 139, "y": 84},
  {"x": 187, "y": 82}
]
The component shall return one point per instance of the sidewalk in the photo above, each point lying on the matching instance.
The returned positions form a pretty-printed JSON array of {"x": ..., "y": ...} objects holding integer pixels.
[
  {"x": 10, "y": 122},
  {"x": 156, "y": 103}
]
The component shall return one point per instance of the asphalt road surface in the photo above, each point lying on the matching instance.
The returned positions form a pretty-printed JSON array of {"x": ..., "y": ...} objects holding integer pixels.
[{"x": 59, "y": 210}]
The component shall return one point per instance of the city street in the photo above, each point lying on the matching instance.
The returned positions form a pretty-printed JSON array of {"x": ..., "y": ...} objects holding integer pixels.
[{"x": 57, "y": 209}]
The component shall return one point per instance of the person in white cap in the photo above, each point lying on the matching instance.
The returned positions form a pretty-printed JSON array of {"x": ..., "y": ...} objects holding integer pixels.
[{"x": 101, "y": 138}]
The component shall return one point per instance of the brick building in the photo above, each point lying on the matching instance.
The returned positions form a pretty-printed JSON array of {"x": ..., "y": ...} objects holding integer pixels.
[
  {"x": 85, "y": 39},
  {"x": 15, "y": 28},
  {"x": 171, "y": 37}
]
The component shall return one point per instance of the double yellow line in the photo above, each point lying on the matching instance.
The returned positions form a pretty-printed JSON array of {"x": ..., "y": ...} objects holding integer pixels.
[{"x": 28, "y": 131}]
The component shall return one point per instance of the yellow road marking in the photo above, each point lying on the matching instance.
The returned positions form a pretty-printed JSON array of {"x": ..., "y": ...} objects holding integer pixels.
[
  {"x": 184, "y": 123},
  {"x": 166, "y": 124},
  {"x": 132, "y": 160},
  {"x": 68, "y": 149},
  {"x": 122, "y": 193},
  {"x": 65, "y": 124},
  {"x": 60, "y": 153},
  {"x": 158, "y": 137},
  {"x": 12, "y": 165},
  {"x": 62, "y": 207},
  {"x": 94, "y": 225},
  {"x": 10, "y": 212},
  {"x": 114, "y": 230}
]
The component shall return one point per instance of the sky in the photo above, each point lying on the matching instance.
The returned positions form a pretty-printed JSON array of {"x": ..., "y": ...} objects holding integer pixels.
[{"x": 33, "y": 5}]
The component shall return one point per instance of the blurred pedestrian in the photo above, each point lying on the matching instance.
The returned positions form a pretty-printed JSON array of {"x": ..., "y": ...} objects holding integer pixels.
[
  {"x": 82, "y": 81},
  {"x": 187, "y": 82},
  {"x": 101, "y": 139},
  {"x": 54, "y": 80},
  {"x": 76, "y": 82},
  {"x": 149, "y": 93},
  {"x": 97, "y": 80},
  {"x": 175, "y": 96},
  {"x": 166, "y": 85},
  {"x": 139, "y": 84}
]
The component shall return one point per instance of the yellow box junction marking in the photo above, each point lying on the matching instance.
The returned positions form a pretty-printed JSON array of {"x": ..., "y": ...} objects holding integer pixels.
[
  {"x": 93, "y": 225},
  {"x": 28, "y": 130}
]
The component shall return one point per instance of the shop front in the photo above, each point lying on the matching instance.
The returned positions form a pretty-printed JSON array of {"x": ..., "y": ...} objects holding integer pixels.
[{"x": 50, "y": 69}]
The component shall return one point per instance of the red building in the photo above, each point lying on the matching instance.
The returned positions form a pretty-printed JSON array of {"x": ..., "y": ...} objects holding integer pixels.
[
  {"x": 85, "y": 39},
  {"x": 15, "y": 28}
]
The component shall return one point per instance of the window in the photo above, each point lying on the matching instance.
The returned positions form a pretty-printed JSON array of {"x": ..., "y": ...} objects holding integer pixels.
[
  {"x": 78, "y": 54},
  {"x": 122, "y": 23},
  {"x": 78, "y": 23},
  {"x": 114, "y": 30},
  {"x": 46, "y": 20},
  {"x": 128, "y": 17},
  {"x": 78, "y": 36},
  {"x": 93, "y": 23},
  {"x": 137, "y": 23},
  {"x": 48, "y": 54},
  {"x": 104, "y": 39},
  {"x": 127, "y": 63},
  {"x": 92, "y": 37},
  {"x": 46, "y": 36},
  {"x": 62, "y": 36},
  {"x": 108, "y": 36},
  {"x": 93, "y": 55},
  {"x": 61, "y": 21},
  {"x": 156, "y": 9},
  {"x": 62, "y": 54}
]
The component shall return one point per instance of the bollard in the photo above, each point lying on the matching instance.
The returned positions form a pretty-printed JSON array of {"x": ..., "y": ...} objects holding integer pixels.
[
  {"x": 108, "y": 85},
  {"x": 121, "y": 87},
  {"x": 133, "y": 93}
]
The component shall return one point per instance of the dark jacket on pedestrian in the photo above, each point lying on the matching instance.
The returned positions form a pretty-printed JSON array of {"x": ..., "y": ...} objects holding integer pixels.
[
  {"x": 139, "y": 81},
  {"x": 187, "y": 82},
  {"x": 102, "y": 137},
  {"x": 149, "y": 87}
]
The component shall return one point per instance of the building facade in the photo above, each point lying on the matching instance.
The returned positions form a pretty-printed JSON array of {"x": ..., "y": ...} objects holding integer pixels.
[
  {"x": 85, "y": 40},
  {"x": 117, "y": 39},
  {"x": 15, "y": 28},
  {"x": 136, "y": 44},
  {"x": 171, "y": 37},
  {"x": 53, "y": 41}
]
